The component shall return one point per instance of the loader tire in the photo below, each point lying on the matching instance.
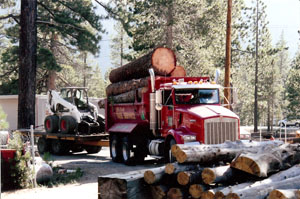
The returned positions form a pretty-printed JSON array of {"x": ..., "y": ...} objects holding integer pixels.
[
  {"x": 51, "y": 123},
  {"x": 67, "y": 125}
]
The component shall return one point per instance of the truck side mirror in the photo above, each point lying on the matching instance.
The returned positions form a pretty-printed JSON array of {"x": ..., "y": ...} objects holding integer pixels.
[{"x": 158, "y": 100}]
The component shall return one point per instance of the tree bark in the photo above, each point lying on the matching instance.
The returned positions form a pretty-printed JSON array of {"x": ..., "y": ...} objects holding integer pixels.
[
  {"x": 126, "y": 86},
  {"x": 162, "y": 60},
  {"x": 129, "y": 185},
  {"x": 217, "y": 174},
  {"x": 27, "y": 69},
  {"x": 261, "y": 191},
  {"x": 189, "y": 177},
  {"x": 128, "y": 97},
  {"x": 174, "y": 168},
  {"x": 179, "y": 71},
  {"x": 284, "y": 194}
]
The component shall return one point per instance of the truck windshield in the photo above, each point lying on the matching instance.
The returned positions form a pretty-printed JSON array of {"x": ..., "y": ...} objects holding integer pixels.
[{"x": 197, "y": 96}]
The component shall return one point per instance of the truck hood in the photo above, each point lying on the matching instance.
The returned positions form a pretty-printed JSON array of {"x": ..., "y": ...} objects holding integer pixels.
[{"x": 209, "y": 111}]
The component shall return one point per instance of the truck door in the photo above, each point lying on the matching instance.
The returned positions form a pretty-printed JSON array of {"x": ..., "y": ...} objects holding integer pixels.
[{"x": 167, "y": 117}]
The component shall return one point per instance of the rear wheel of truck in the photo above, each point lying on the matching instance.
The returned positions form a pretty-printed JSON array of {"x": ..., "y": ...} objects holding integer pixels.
[
  {"x": 127, "y": 152},
  {"x": 59, "y": 147},
  {"x": 92, "y": 149},
  {"x": 67, "y": 124},
  {"x": 43, "y": 145},
  {"x": 115, "y": 148},
  {"x": 51, "y": 123}
]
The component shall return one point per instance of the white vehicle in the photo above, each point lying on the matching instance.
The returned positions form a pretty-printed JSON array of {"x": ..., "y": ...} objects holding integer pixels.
[{"x": 72, "y": 113}]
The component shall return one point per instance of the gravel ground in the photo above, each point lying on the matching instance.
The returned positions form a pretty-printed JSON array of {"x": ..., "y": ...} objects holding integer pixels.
[{"x": 87, "y": 187}]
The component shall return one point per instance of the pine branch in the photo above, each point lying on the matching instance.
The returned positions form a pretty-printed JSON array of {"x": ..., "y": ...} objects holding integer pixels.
[
  {"x": 46, "y": 8},
  {"x": 14, "y": 69},
  {"x": 57, "y": 24},
  {"x": 11, "y": 16}
]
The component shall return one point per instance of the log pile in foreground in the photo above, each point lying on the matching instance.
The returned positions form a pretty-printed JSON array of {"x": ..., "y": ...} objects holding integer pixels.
[
  {"x": 129, "y": 81},
  {"x": 250, "y": 170}
]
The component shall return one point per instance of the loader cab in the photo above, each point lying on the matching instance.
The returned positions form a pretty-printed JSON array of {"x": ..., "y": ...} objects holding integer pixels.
[{"x": 76, "y": 96}]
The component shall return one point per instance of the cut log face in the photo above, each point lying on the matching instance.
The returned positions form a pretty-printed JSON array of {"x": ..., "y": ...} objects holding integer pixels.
[
  {"x": 284, "y": 194},
  {"x": 179, "y": 71},
  {"x": 175, "y": 193},
  {"x": 189, "y": 177},
  {"x": 159, "y": 191},
  {"x": 173, "y": 168},
  {"x": 154, "y": 175},
  {"x": 162, "y": 60},
  {"x": 196, "y": 190}
]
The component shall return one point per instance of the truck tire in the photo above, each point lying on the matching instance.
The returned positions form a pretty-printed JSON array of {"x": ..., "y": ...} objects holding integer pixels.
[
  {"x": 127, "y": 153},
  {"x": 115, "y": 148},
  {"x": 43, "y": 145},
  {"x": 58, "y": 147},
  {"x": 92, "y": 149},
  {"x": 67, "y": 124},
  {"x": 51, "y": 123}
]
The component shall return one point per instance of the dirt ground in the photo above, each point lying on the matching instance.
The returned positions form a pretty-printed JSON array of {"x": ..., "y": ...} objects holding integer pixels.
[{"x": 87, "y": 187}]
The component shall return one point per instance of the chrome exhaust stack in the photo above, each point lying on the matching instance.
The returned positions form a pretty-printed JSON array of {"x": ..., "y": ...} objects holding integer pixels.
[{"x": 153, "y": 114}]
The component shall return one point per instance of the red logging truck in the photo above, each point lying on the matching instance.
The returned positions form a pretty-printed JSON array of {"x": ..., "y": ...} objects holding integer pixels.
[{"x": 172, "y": 111}]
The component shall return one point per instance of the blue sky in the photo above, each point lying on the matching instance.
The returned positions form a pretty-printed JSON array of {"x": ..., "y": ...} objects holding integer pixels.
[{"x": 283, "y": 15}]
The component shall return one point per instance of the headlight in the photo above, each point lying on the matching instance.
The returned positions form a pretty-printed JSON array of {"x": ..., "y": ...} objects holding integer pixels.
[{"x": 189, "y": 138}]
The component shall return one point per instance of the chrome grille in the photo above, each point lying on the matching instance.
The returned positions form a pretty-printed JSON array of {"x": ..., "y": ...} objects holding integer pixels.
[{"x": 218, "y": 130}]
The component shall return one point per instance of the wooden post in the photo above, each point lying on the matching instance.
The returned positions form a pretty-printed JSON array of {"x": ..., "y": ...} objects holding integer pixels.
[{"x": 228, "y": 56}]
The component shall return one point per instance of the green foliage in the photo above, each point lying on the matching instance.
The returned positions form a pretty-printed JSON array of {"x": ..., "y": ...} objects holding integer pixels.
[
  {"x": 19, "y": 169},
  {"x": 3, "y": 122}
]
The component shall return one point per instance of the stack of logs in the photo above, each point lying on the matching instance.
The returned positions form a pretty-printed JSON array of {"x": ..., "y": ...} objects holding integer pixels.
[
  {"x": 132, "y": 78},
  {"x": 231, "y": 170}
]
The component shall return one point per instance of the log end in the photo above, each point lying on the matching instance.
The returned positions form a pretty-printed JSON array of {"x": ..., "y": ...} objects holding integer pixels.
[
  {"x": 158, "y": 192},
  {"x": 219, "y": 195},
  {"x": 208, "y": 195},
  {"x": 174, "y": 193},
  {"x": 232, "y": 196},
  {"x": 247, "y": 165},
  {"x": 175, "y": 149},
  {"x": 183, "y": 178},
  {"x": 170, "y": 168},
  {"x": 208, "y": 176},
  {"x": 181, "y": 157},
  {"x": 179, "y": 71},
  {"x": 276, "y": 194},
  {"x": 149, "y": 177},
  {"x": 196, "y": 191},
  {"x": 163, "y": 61}
]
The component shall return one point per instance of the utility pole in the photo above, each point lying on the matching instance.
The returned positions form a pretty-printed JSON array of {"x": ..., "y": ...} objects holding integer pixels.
[
  {"x": 256, "y": 73},
  {"x": 84, "y": 69},
  {"x": 228, "y": 57}
]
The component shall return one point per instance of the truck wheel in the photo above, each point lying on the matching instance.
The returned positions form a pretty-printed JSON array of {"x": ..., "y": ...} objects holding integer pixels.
[
  {"x": 169, "y": 157},
  {"x": 51, "y": 123},
  {"x": 67, "y": 124},
  {"x": 43, "y": 145},
  {"x": 115, "y": 148},
  {"x": 92, "y": 149},
  {"x": 127, "y": 152},
  {"x": 58, "y": 147}
]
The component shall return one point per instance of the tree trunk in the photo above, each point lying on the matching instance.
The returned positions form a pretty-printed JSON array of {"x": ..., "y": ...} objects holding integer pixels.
[
  {"x": 261, "y": 191},
  {"x": 278, "y": 177},
  {"x": 51, "y": 80},
  {"x": 125, "y": 86},
  {"x": 196, "y": 190},
  {"x": 284, "y": 194},
  {"x": 129, "y": 185},
  {"x": 27, "y": 68},
  {"x": 270, "y": 160},
  {"x": 128, "y": 97},
  {"x": 154, "y": 175},
  {"x": 189, "y": 177},
  {"x": 174, "y": 168},
  {"x": 217, "y": 174},
  {"x": 162, "y": 60},
  {"x": 178, "y": 72}
]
